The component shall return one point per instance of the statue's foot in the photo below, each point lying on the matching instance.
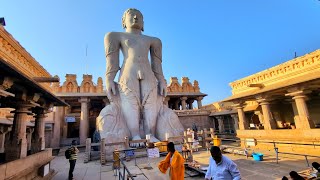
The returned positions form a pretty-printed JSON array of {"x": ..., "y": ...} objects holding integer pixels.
[
  {"x": 153, "y": 139},
  {"x": 137, "y": 137}
]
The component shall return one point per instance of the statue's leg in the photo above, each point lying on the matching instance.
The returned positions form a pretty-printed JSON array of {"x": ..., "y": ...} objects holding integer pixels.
[
  {"x": 130, "y": 110},
  {"x": 151, "y": 114}
]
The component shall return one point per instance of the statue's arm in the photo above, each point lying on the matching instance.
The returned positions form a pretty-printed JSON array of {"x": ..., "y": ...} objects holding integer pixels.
[
  {"x": 156, "y": 64},
  {"x": 112, "y": 48}
]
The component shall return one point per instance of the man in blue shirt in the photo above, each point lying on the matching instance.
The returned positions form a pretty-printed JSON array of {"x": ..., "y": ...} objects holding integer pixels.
[{"x": 221, "y": 167}]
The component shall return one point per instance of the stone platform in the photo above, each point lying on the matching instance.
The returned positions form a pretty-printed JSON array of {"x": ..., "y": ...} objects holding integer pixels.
[{"x": 267, "y": 169}]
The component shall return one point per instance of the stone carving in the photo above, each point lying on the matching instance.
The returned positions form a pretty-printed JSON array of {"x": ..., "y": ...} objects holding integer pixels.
[
  {"x": 136, "y": 101},
  {"x": 186, "y": 86},
  {"x": 70, "y": 85}
]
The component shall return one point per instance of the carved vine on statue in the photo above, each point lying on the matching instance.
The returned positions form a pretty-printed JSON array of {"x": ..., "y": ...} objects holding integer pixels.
[{"x": 136, "y": 100}]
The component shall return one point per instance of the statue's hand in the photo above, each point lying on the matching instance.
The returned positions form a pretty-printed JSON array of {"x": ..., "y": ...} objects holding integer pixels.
[
  {"x": 163, "y": 88},
  {"x": 111, "y": 89}
]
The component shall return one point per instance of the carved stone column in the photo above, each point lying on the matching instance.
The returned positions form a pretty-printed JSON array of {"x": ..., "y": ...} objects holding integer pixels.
[
  {"x": 84, "y": 120},
  {"x": 38, "y": 141},
  {"x": 260, "y": 116},
  {"x": 3, "y": 131},
  {"x": 176, "y": 105},
  {"x": 16, "y": 148},
  {"x": 190, "y": 102},
  {"x": 183, "y": 103},
  {"x": 199, "y": 99},
  {"x": 166, "y": 101},
  {"x": 269, "y": 122},
  {"x": 59, "y": 124},
  {"x": 29, "y": 132},
  {"x": 235, "y": 120},
  {"x": 221, "y": 124},
  {"x": 243, "y": 122},
  {"x": 303, "y": 120}
]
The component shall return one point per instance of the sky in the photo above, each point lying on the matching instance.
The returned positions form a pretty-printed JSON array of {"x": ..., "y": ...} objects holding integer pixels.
[{"x": 212, "y": 41}]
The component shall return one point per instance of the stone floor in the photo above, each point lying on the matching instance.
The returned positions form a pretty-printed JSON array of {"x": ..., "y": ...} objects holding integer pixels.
[{"x": 250, "y": 169}]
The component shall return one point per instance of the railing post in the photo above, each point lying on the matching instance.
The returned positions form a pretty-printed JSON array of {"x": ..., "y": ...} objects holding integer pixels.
[
  {"x": 276, "y": 150},
  {"x": 103, "y": 151},
  {"x": 88, "y": 150},
  {"x": 307, "y": 160}
]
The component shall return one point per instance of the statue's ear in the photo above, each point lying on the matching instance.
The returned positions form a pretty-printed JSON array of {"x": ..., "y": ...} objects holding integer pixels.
[{"x": 142, "y": 29}]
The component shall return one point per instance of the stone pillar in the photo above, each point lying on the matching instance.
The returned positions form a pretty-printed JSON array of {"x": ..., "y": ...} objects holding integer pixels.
[
  {"x": 16, "y": 148},
  {"x": 166, "y": 101},
  {"x": 183, "y": 102},
  {"x": 84, "y": 120},
  {"x": 29, "y": 131},
  {"x": 199, "y": 102},
  {"x": 3, "y": 131},
  {"x": 62, "y": 112},
  {"x": 235, "y": 120},
  {"x": 243, "y": 123},
  {"x": 269, "y": 122},
  {"x": 303, "y": 120},
  {"x": 260, "y": 115},
  {"x": 38, "y": 141},
  {"x": 59, "y": 124},
  {"x": 221, "y": 124},
  {"x": 190, "y": 102},
  {"x": 176, "y": 105}
]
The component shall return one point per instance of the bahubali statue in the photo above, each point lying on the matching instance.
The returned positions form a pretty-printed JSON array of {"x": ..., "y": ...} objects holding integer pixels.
[{"x": 136, "y": 106}]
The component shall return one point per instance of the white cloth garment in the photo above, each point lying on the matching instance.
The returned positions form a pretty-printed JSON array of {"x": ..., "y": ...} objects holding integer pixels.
[{"x": 226, "y": 169}]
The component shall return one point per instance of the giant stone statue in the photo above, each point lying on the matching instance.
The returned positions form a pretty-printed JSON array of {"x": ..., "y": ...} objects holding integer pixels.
[{"x": 136, "y": 101}]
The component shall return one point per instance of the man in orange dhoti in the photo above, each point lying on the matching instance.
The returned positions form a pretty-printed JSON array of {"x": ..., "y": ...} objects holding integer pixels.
[{"x": 174, "y": 161}]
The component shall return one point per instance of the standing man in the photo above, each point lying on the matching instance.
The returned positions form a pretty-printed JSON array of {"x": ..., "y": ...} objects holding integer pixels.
[
  {"x": 221, "y": 167},
  {"x": 73, "y": 150},
  {"x": 175, "y": 161}
]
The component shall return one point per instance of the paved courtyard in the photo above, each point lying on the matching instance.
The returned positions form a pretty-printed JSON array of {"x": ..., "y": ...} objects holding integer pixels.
[{"x": 250, "y": 169}]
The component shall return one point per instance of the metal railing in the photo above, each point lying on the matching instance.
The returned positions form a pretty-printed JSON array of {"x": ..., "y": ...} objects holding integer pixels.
[
  {"x": 121, "y": 171},
  {"x": 276, "y": 149}
]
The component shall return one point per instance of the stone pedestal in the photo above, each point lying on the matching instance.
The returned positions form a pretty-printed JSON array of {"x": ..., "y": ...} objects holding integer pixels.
[
  {"x": 16, "y": 148},
  {"x": 84, "y": 120}
]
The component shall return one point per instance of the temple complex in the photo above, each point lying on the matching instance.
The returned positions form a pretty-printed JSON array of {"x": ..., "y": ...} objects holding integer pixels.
[
  {"x": 278, "y": 104},
  {"x": 78, "y": 120},
  {"x": 25, "y": 100}
]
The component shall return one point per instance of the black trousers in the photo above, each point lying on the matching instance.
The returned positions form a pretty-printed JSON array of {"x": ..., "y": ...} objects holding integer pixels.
[{"x": 72, "y": 165}]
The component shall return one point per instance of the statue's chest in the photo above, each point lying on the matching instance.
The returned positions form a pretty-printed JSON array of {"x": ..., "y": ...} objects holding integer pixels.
[{"x": 135, "y": 43}]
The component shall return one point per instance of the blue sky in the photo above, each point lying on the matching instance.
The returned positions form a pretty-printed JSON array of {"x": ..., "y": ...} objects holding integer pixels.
[{"x": 212, "y": 41}]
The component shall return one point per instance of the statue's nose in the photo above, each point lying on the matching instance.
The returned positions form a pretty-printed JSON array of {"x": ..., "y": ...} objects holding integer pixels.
[{"x": 135, "y": 17}]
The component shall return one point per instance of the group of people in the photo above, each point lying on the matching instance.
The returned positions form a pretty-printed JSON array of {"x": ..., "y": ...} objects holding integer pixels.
[
  {"x": 295, "y": 176},
  {"x": 220, "y": 166}
]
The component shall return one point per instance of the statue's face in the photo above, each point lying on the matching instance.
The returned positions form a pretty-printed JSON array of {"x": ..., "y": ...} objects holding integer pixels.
[{"x": 134, "y": 19}]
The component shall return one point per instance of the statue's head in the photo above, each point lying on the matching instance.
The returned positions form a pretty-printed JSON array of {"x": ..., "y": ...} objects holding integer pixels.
[{"x": 132, "y": 18}]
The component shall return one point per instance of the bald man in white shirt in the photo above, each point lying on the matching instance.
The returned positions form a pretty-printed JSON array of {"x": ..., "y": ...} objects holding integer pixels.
[{"x": 221, "y": 167}]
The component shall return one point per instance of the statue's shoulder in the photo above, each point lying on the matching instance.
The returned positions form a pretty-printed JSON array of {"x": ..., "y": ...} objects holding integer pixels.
[
  {"x": 154, "y": 40},
  {"x": 113, "y": 35}
]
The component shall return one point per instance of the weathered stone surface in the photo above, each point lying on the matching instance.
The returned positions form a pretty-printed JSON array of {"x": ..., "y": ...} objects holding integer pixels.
[{"x": 136, "y": 101}]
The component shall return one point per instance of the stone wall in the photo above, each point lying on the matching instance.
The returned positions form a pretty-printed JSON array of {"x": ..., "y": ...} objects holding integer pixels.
[
  {"x": 25, "y": 168},
  {"x": 200, "y": 117}
]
